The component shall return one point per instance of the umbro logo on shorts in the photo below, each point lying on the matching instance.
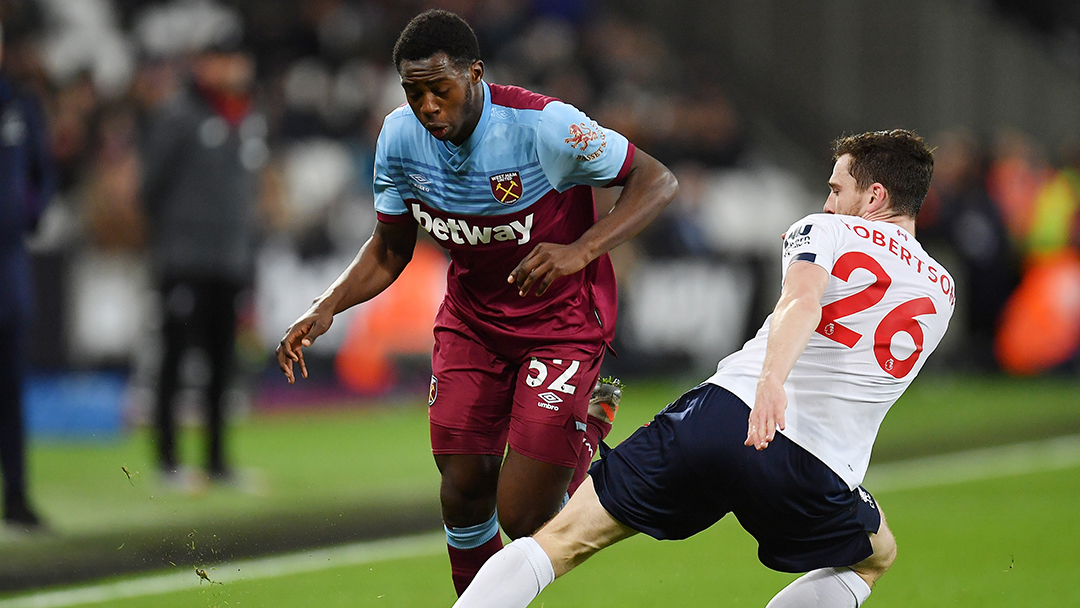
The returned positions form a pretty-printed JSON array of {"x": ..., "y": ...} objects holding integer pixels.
[{"x": 549, "y": 401}]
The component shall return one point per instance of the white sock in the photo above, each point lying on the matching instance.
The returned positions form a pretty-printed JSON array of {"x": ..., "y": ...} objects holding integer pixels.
[
  {"x": 511, "y": 578},
  {"x": 825, "y": 588}
]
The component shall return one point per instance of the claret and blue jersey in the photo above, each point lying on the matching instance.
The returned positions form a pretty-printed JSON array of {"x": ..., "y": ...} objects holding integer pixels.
[{"x": 523, "y": 177}]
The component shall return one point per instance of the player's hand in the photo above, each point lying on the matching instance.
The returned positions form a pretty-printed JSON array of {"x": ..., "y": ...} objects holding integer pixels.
[
  {"x": 545, "y": 263},
  {"x": 301, "y": 333},
  {"x": 767, "y": 415}
]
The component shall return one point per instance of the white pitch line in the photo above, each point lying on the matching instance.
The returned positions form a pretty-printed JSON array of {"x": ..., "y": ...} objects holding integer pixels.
[
  {"x": 972, "y": 465},
  {"x": 271, "y": 567},
  {"x": 1018, "y": 459}
]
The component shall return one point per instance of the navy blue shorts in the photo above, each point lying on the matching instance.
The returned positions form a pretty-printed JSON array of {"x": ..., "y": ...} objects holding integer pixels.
[{"x": 688, "y": 468}]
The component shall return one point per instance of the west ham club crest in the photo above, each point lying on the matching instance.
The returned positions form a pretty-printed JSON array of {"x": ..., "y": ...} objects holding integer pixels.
[{"x": 506, "y": 187}]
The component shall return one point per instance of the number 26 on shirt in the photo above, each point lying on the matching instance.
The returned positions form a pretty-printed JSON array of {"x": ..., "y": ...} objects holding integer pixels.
[{"x": 899, "y": 319}]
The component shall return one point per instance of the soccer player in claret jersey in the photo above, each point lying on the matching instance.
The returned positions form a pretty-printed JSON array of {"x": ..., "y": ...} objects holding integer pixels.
[
  {"x": 501, "y": 177},
  {"x": 861, "y": 308}
]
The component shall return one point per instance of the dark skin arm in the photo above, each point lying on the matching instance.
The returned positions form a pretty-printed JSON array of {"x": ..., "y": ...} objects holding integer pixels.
[
  {"x": 377, "y": 265},
  {"x": 649, "y": 187}
]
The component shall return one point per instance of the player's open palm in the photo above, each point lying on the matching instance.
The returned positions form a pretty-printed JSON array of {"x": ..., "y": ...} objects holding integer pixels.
[
  {"x": 301, "y": 333},
  {"x": 545, "y": 263},
  {"x": 767, "y": 415}
]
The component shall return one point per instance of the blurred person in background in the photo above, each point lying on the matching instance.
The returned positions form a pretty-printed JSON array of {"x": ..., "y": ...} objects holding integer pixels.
[
  {"x": 200, "y": 161},
  {"x": 959, "y": 214},
  {"x": 501, "y": 177},
  {"x": 27, "y": 182}
]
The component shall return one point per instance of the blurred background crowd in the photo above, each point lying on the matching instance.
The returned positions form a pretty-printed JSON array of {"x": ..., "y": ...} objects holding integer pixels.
[{"x": 693, "y": 286}]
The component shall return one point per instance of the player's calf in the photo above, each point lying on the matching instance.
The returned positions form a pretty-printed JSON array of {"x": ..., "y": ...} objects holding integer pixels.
[
  {"x": 468, "y": 496},
  {"x": 468, "y": 548},
  {"x": 824, "y": 588}
]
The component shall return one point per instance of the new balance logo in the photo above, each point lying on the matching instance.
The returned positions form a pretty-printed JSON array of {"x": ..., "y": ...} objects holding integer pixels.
[{"x": 797, "y": 237}]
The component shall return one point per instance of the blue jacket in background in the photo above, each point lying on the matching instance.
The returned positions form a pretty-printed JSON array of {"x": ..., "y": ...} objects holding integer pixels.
[{"x": 27, "y": 182}]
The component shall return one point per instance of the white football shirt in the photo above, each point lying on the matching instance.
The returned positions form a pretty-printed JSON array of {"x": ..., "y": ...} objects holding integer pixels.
[{"x": 885, "y": 309}]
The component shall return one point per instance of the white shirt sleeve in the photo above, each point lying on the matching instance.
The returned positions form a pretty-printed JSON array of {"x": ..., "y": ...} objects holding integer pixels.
[
  {"x": 813, "y": 239},
  {"x": 574, "y": 150}
]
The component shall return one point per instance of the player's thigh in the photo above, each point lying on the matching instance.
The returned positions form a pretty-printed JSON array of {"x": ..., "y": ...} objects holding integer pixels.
[
  {"x": 471, "y": 395},
  {"x": 581, "y": 529},
  {"x": 530, "y": 493},
  {"x": 551, "y": 402}
]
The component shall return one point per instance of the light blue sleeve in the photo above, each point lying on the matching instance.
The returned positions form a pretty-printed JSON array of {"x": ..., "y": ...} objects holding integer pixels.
[
  {"x": 574, "y": 150},
  {"x": 387, "y": 198}
]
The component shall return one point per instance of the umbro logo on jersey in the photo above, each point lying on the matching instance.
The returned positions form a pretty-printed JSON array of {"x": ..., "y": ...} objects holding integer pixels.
[
  {"x": 506, "y": 187},
  {"x": 420, "y": 182}
]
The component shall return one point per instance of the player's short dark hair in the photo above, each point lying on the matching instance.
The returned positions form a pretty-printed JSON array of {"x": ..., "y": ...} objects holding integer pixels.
[
  {"x": 437, "y": 31},
  {"x": 897, "y": 159}
]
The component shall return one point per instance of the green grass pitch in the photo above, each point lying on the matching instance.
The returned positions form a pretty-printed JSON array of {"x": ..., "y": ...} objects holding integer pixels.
[{"x": 1008, "y": 541}]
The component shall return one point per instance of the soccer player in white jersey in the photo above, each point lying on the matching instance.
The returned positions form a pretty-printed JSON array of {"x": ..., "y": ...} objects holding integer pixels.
[
  {"x": 781, "y": 434},
  {"x": 502, "y": 178}
]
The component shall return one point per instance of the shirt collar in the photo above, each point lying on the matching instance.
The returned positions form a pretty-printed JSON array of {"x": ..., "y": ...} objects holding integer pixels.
[{"x": 457, "y": 155}]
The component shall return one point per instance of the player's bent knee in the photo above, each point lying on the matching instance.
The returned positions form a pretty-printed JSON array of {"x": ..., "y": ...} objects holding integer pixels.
[
  {"x": 468, "y": 488},
  {"x": 887, "y": 554},
  {"x": 873, "y": 567},
  {"x": 519, "y": 524},
  {"x": 530, "y": 493}
]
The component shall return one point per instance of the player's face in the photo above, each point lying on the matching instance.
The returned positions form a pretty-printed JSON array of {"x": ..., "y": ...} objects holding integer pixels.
[
  {"x": 447, "y": 100},
  {"x": 845, "y": 198}
]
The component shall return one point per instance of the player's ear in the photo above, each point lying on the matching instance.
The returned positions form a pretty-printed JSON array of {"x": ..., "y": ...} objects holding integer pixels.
[
  {"x": 879, "y": 198},
  {"x": 476, "y": 72}
]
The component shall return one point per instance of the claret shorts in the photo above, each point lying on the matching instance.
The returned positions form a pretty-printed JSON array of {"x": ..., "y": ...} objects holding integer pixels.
[{"x": 535, "y": 399}]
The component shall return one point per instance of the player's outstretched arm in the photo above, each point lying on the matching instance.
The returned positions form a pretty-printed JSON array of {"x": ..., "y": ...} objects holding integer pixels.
[
  {"x": 374, "y": 268},
  {"x": 794, "y": 320},
  {"x": 649, "y": 187}
]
